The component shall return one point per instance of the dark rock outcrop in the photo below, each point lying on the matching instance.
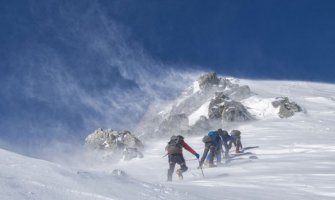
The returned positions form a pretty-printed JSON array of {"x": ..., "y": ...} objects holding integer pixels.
[
  {"x": 286, "y": 108},
  {"x": 216, "y": 106},
  {"x": 208, "y": 80},
  {"x": 235, "y": 111},
  {"x": 222, "y": 107}
]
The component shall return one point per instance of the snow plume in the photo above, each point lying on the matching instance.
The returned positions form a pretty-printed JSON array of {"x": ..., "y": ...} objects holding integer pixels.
[{"x": 81, "y": 71}]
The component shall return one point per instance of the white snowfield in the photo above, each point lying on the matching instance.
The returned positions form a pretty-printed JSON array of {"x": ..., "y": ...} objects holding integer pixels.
[{"x": 287, "y": 159}]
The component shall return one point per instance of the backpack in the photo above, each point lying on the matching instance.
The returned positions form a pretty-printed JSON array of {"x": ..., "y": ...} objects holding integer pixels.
[
  {"x": 206, "y": 139},
  {"x": 235, "y": 132},
  {"x": 174, "y": 146},
  {"x": 215, "y": 137}
]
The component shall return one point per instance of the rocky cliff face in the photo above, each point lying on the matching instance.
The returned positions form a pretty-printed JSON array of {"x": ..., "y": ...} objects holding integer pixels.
[{"x": 226, "y": 109}]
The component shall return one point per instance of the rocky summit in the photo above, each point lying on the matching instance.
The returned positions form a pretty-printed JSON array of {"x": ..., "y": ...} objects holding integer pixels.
[{"x": 209, "y": 102}]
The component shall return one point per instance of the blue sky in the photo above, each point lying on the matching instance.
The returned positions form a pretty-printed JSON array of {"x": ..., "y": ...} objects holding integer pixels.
[
  {"x": 257, "y": 39},
  {"x": 69, "y": 67}
]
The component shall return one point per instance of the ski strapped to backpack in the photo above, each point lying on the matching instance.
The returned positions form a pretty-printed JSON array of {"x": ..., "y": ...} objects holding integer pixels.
[{"x": 206, "y": 139}]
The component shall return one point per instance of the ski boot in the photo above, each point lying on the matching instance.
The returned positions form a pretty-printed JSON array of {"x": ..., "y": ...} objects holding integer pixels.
[
  {"x": 211, "y": 165},
  {"x": 239, "y": 151},
  {"x": 180, "y": 174}
]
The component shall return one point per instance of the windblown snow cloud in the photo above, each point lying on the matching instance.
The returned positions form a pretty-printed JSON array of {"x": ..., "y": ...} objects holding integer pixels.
[{"x": 82, "y": 70}]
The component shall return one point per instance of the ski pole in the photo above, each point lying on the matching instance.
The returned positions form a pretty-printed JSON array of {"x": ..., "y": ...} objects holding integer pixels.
[
  {"x": 202, "y": 171},
  {"x": 165, "y": 155},
  {"x": 191, "y": 159}
]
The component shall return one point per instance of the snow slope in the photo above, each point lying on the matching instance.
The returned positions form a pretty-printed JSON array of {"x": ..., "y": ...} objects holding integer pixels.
[
  {"x": 289, "y": 159},
  {"x": 27, "y": 178}
]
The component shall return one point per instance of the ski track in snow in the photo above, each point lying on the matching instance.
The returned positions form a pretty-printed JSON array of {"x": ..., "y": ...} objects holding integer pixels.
[{"x": 294, "y": 159}]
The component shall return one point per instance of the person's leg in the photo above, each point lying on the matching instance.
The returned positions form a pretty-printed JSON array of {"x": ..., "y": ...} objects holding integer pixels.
[
  {"x": 182, "y": 164},
  {"x": 230, "y": 144},
  {"x": 238, "y": 146},
  {"x": 235, "y": 144},
  {"x": 226, "y": 147},
  {"x": 183, "y": 168},
  {"x": 211, "y": 153},
  {"x": 172, "y": 165},
  {"x": 218, "y": 155},
  {"x": 240, "y": 142},
  {"x": 208, "y": 159}
]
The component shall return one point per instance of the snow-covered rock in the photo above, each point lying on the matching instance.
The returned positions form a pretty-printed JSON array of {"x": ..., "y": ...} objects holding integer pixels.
[
  {"x": 222, "y": 107},
  {"x": 108, "y": 139},
  {"x": 208, "y": 80},
  {"x": 286, "y": 107}
]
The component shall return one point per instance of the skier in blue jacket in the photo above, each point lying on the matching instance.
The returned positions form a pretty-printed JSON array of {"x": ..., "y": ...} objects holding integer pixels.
[
  {"x": 225, "y": 138},
  {"x": 213, "y": 143}
]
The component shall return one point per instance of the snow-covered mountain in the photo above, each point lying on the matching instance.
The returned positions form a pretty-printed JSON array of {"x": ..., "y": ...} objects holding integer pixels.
[
  {"x": 213, "y": 102},
  {"x": 285, "y": 158}
]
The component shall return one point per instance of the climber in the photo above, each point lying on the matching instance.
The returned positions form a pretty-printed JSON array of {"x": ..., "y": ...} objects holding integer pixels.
[
  {"x": 174, "y": 150},
  {"x": 236, "y": 140},
  {"x": 213, "y": 146}
]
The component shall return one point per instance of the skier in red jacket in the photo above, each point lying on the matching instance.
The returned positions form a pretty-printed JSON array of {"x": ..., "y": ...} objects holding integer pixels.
[{"x": 174, "y": 149}]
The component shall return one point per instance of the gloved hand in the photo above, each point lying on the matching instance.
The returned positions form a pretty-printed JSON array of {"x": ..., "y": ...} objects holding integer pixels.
[{"x": 197, "y": 156}]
